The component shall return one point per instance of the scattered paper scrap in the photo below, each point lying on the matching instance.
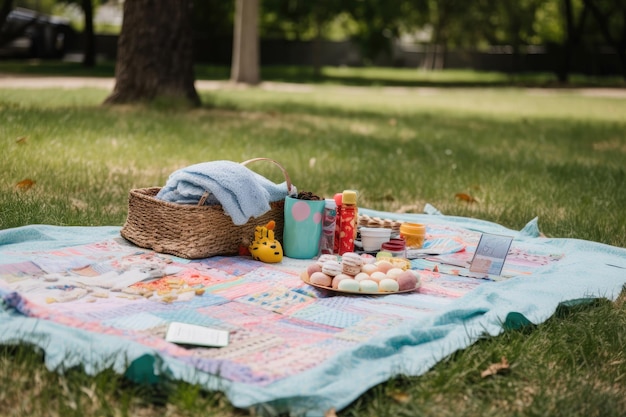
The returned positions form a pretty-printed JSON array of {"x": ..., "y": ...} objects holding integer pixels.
[
  {"x": 330, "y": 413},
  {"x": 191, "y": 334},
  {"x": 496, "y": 368}
]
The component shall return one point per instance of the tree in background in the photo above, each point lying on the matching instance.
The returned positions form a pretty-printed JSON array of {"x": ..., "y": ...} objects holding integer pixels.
[
  {"x": 574, "y": 26},
  {"x": 566, "y": 27},
  {"x": 301, "y": 20},
  {"x": 507, "y": 22},
  {"x": 372, "y": 25},
  {"x": 245, "y": 67},
  {"x": 518, "y": 19},
  {"x": 155, "y": 53},
  {"x": 610, "y": 16},
  {"x": 89, "y": 35},
  {"x": 442, "y": 16},
  {"x": 89, "y": 50},
  {"x": 321, "y": 13},
  {"x": 378, "y": 23},
  {"x": 213, "y": 30}
]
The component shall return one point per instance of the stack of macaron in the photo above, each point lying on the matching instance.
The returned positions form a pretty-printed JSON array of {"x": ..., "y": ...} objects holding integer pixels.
[{"x": 352, "y": 272}]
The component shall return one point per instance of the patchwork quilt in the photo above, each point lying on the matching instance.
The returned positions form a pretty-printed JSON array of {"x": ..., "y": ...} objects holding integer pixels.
[{"x": 88, "y": 297}]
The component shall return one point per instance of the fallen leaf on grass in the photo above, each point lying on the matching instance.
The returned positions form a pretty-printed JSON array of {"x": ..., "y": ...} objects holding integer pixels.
[
  {"x": 400, "y": 396},
  {"x": 466, "y": 197},
  {"x": 496, "y": 368},
  {"x": 25, "y": 184}
]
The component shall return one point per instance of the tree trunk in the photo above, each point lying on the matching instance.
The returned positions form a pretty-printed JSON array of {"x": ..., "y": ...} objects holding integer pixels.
[
  {"x": 441, "y": 51},
  {"x": 427, "y": 63},
  {"x": 89, "y": 51},
  {"x": 573, "y": 34},
  {"x": 619, "y": 44},
  {"x": 245, "y": 65},
  {"x": 317, "y": 41},
  {"x": 564, "y": 70},
  {"x": 155, "y": 53}
]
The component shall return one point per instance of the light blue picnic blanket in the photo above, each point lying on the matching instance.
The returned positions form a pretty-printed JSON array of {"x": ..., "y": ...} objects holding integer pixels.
[{"x": 293, "y": 348}]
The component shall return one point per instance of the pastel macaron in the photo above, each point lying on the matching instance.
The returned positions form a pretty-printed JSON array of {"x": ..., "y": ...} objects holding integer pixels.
[
  {"x": 406, "y": 281},
  {"x": 320, "y": 278},
  {"x": 349, "y": 285},
  {"x": 338, "y": 278},
  {"x": 388, "y": 285},
  {"x": 351, "y": 263},
  {"x": 311, "y": 269},
  {"x": 326, "y": 257},
  {"x": 331, "y": 268},
  {"x": 369, "y": 268},
  {"x": 367, "y": 285}
]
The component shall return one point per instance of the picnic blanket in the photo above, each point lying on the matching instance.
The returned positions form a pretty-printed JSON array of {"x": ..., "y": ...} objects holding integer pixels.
[{"x": 88, "y": 297}]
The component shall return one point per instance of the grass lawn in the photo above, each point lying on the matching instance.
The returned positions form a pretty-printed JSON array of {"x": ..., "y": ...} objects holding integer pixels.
[{"x": 559, "y": 155}]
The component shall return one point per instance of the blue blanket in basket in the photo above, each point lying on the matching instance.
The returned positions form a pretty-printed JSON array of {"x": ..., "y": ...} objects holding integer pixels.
[{"x": 242, "y": 192}]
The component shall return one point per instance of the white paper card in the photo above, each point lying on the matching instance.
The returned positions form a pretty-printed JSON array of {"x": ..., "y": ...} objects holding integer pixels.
[
  {"x": 490, "y": 254},
  {"x": 191, "y": 334}
]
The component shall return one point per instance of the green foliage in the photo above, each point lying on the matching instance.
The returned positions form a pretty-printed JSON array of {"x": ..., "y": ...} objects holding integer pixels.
[
  {"x": 378, "y": 23},
  {"x": 375, "y": 25},
  {"x": 305, "y": 20},
  {"x": 549, "y": 23},
  {"x": 44, "y": 6}
]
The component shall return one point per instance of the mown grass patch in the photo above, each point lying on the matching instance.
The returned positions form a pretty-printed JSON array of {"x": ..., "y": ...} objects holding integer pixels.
[{"x": 559, "y": 156}]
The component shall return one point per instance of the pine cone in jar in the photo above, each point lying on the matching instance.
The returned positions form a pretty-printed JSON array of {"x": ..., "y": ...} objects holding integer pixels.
[{"x": 307, "y": 195}]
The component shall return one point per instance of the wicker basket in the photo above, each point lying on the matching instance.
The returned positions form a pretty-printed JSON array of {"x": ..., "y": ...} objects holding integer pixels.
[{"x": 193, "y": 231}]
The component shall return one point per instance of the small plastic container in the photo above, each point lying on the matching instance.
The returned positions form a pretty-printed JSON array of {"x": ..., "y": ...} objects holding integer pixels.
[
  {"x": 373, "y": 237},
  {"x": 396, "y": 247},
  {"x": 413, "y": 234}
]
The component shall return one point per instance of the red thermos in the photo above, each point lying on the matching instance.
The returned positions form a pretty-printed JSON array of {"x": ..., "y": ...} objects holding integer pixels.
[{"x": 347, "y": 216}]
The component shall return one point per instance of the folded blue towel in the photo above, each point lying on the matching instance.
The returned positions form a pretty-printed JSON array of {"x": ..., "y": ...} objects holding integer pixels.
[{"x": 242, "y": 192}]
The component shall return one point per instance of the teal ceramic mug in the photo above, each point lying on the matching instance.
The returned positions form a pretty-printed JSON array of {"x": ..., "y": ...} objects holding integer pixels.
[{"x": 303, "y": 227}]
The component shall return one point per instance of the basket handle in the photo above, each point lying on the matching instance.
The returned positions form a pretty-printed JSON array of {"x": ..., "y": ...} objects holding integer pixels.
[{"x": 287, "y": 179}]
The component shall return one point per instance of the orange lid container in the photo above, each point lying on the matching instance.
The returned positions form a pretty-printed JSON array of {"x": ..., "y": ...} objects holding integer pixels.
[{"x": 413, "y": 234}]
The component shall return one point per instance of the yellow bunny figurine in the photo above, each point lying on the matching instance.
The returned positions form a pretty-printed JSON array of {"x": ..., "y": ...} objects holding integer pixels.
[{"x": 265, "y": 247}]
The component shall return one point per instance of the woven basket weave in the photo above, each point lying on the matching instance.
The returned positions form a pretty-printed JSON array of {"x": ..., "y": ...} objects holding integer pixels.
[{"x": 193, "y": 231}]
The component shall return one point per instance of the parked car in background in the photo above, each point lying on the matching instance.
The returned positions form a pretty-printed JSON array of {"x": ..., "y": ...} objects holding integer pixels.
[{"x": 38, "y": 35}]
